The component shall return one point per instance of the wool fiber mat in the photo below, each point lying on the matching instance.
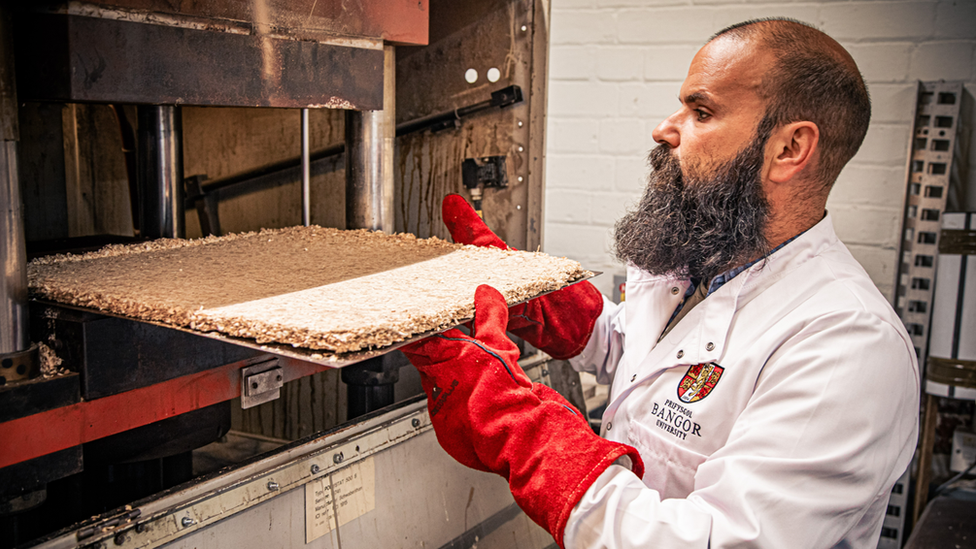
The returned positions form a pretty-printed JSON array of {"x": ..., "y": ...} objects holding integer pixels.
[{"x": 308, "y": 287}]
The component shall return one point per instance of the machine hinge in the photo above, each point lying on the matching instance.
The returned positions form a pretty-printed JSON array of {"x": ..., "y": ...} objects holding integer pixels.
[{"x": 261, "y": 383}]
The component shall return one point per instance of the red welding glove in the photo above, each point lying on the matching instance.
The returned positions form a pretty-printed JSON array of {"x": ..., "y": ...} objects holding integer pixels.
[
  {"x": 489, "y": 416},
  {"x": 559, "y": 323}
]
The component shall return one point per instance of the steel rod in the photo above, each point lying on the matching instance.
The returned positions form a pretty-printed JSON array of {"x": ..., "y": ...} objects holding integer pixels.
[
  {"x": 306, "y": 173},
  {"x": 369, "y": 161},
  {"x": 161, "y": 171},
  {"x": 13, "y": 284},
  {"x": 14, "y": 336}
]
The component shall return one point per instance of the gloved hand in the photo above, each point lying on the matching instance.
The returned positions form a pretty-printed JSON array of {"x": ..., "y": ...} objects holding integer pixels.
[
  {"x": 489, "y": 416},
  {"x": 559, "y": 323}
]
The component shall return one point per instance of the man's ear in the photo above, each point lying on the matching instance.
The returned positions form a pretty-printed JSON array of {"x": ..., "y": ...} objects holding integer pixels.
[{"x": 792, "y": 147}]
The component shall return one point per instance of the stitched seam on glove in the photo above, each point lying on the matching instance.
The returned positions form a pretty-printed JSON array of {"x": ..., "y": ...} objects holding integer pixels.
[
  {"x": 571, "y": 410},
  {"x": 522, "y": 315},
  {"x": 485, "y": 349}
]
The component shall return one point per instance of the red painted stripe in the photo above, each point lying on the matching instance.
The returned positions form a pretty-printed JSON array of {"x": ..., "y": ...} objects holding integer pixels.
[{"x": 46, "y": 432}]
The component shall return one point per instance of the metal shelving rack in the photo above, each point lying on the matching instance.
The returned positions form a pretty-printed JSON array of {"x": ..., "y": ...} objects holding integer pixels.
[{"x": 928, "y": 170}]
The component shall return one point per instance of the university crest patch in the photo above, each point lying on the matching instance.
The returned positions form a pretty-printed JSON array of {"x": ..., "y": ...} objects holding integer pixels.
[{"x": 699, "y": 381}]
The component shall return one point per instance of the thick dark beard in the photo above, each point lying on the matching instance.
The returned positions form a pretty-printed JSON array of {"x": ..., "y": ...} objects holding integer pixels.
[{"x": 697, "y": 226}]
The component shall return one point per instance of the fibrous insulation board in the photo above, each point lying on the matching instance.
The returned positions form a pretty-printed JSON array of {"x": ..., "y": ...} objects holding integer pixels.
[{"x": 309, "y": 287}]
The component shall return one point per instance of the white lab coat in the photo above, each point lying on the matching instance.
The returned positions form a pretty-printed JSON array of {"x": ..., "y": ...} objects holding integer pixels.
[{"x": 812, "y": 419}]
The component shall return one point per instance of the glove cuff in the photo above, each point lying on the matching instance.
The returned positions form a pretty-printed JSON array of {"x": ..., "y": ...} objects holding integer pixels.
[
  {"x": 573, "y": 496},
  {"x": 558, "y": 460}
]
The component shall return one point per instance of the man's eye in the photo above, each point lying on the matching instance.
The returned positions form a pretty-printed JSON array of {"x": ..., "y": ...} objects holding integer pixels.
[{"x": 702, "y": 115}]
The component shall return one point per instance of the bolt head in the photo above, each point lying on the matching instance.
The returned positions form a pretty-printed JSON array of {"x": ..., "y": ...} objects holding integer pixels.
[
  {"x": 315, "y": 468},
  {"x": 272, "y": 486},
  {"x": 187, "y": 522},
  {"x": 337, "y": 458},
  {"x": 415, "y": 422}
]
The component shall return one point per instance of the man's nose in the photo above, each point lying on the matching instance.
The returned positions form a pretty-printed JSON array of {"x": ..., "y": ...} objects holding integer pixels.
[{"x": 667, "y": 132}]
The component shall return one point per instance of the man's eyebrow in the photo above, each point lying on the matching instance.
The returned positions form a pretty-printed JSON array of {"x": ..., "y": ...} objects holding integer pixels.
[{"x": 696, "y": 97}]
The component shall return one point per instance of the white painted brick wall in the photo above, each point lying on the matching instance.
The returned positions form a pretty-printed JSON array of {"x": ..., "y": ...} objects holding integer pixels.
[{"x": 616, "y": 67}]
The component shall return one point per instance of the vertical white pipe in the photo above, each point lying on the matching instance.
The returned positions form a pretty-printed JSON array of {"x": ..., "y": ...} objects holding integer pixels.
[{"x": 306, "y": 173}]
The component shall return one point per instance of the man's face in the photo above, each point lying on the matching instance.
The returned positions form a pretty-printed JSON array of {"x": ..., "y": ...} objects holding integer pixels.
[
  {"x": 720, "y": 105},
  {"x": 704, "y": 210}
]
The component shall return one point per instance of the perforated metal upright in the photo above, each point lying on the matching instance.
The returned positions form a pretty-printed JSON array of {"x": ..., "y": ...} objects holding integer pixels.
[
  {"x": 929, "y": 166},
  {"x": 928, "y": 170}
]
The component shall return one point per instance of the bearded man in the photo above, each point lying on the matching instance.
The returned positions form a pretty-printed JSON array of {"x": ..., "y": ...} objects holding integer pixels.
[{"x": 763, "y": 392}]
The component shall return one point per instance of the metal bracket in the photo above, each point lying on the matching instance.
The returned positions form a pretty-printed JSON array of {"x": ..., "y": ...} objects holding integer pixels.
[
  {"x": 486, "y": 171},
  {"x": 261, "y": 383},
  {"x": 206, "y": 204}
]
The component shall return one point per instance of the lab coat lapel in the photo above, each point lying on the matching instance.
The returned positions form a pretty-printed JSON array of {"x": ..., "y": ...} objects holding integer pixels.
[{"x": 700, "y": 337}]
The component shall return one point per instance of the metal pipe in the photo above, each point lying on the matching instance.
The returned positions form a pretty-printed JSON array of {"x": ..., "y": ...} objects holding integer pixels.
[
  {"x": 14, "y": 335},
  {"x": 364, "y": 170},
  {"x": 306, "y": 173},
  {"x": 369, "y": 205},
  {"x": 369, "y": 159},
  {"x": 161, "y": 171}
]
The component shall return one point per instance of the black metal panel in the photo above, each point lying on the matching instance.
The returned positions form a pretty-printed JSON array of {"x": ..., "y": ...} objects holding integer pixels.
[
  {"x": 32, "y": 474},
  {"x": 161, "y": 439},
  {"x": 115, "y": 355},
  {"x": 86, "y": 59},
  {"x": 38, "y": 395},
  {"x": 42, "y": 172}
]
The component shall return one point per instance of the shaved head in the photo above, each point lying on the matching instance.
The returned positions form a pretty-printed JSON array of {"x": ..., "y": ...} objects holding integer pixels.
[{"x": 812, "y": 78}]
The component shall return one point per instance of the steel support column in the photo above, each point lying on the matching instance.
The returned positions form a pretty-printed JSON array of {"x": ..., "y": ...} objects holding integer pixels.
[
  {"x": 161, "y": 171},
  {"x": 369, "y": 158},
  {"x": 369, "y": 205},
  {"x": 14, "y": 335}
]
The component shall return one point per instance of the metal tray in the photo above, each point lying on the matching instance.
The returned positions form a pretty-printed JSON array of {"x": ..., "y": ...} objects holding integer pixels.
[{"x": 315, "y": 356}]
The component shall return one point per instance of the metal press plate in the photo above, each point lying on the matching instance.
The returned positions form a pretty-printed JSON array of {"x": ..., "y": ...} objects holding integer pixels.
[{"x": 315, "y": 356}]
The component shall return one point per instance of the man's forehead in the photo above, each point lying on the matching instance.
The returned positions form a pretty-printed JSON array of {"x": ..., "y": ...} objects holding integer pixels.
[{"x": 723, "y": 69}]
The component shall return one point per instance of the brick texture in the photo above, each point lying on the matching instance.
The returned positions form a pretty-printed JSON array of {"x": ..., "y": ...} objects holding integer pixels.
[{"x": 616, "y": 67}]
